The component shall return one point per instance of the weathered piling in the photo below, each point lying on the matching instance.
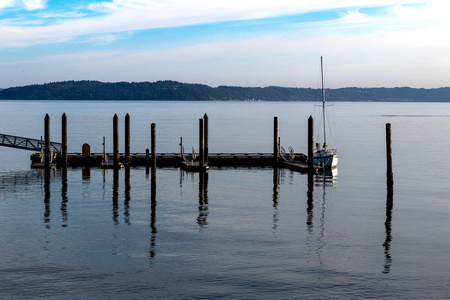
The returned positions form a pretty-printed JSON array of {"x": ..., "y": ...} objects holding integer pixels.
[
  {"x": 64, "y": 140},
  {"x": 389, "y": 173},
  {"x": 276, "y": 140},
  {"x": 201, "y": 141},
  {"x": 206, "y": 149},
  {"x": 47, "y": 155},
  {"x": 116, "y": 141},
  {"x": 127, "y": 139},
  {"x": 310, "y": 143},
  {"x": 153, "y": 144}
]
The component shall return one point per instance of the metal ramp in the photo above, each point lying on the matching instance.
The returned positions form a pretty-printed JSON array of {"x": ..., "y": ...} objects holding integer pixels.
[{"x": 27, "y": 143}]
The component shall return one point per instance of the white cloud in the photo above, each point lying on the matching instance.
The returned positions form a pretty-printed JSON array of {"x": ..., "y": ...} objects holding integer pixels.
[
  {"x": 7, "y": 3},
  {"x": 34, "y": 4}
]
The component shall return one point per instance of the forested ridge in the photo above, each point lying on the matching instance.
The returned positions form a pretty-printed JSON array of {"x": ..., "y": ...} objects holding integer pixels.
[{"x": 172, "y": 90}]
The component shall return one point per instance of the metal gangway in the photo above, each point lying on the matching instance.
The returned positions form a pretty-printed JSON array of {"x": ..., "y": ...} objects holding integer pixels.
[{"x": 27, "y": 143}]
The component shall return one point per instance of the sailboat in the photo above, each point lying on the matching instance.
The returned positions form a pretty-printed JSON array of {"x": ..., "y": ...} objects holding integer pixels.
[{"x": 322, "y": 155}]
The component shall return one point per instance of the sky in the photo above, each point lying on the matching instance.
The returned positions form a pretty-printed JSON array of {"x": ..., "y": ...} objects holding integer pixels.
[{"x": 364, "y": 43}]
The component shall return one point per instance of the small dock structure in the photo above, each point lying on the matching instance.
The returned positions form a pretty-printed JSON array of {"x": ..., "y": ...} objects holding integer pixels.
[{"x": 56, "y": 153}]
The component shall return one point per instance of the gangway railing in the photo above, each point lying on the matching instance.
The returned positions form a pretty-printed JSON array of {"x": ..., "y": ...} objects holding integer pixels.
[{"x": 19, "y": 142}]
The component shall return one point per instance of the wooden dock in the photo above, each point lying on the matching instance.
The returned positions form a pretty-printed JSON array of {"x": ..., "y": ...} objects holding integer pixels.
[
  {"x": 174, "y": 160},
  {"x": 278, "y": 158}
]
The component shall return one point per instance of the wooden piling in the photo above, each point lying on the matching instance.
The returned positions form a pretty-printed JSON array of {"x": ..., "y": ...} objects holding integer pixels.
[
  {"x": 310, "y": 143},
  {"x": 276, "y": 145},
  {"x": 64, "y": 140},
  {"x": 153, "y": 141},
  {"x": 116, "y": 141},
  {"x": 206, "y": 149},
  {"x": 201, "y": 140},
  {"x": 47, "y": 155},
  {"x": 389, "y": 173},
  {"x": 127, "y": 139}
]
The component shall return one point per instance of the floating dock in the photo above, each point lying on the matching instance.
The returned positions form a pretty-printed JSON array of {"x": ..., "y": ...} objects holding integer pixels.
[{"x": 174, "y": 160}]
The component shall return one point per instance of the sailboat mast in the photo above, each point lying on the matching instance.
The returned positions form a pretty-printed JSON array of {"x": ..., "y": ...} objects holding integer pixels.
[{"x": 323, "y": 107}]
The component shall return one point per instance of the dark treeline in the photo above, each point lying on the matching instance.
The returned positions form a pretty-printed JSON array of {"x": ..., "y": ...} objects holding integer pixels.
[{"x": 172, "y": 90}]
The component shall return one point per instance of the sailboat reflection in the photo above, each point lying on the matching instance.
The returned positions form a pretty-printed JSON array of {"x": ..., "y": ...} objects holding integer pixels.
[{"x": 326, "y": 180}]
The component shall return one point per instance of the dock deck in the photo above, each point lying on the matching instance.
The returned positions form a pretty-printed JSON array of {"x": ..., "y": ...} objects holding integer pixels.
[{"x": 174, "y": 160}]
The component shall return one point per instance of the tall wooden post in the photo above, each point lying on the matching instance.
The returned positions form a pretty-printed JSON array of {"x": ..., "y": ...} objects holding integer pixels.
[
  {"x": 153, "y": 141},
  {"x": 310, "y": 143},
  {"x": 64, "y": 139},
  {"x": 201, "y": 141},
  {"x": 389, "y": 173},
  {"x": 116, "y": 140},
  {"x": 276, "y": 145},
  {"x": 127, "y": 139},
  {"x": 206, "y": 152},
  {"x": 47, "y": 155}
]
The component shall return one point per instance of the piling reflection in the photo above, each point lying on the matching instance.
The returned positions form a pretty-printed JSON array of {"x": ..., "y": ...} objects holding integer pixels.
[
  {"x": 310, "y": 202},
  {"x": 202, "y": 199},
  {"x": 126, "y": 203},
  {"x": 154, "y": 230},
  {"x": 275, "y": 197},
  {"x": 64, "y": 199},
  {"x": 387, "y": 225},
  {"x": 115, "y": 196},
  {"x": 47, "y": 197}
]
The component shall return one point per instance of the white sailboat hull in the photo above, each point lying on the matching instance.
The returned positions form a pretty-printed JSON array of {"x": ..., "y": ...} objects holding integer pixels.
[{"x": 328, "y": 159}]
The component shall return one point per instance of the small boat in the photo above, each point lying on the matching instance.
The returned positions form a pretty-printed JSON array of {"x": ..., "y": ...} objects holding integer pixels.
[{"x": 324, "y": 156}]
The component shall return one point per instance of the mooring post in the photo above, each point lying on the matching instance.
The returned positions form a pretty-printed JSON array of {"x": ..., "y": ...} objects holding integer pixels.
[
  {"x": 275, "y": 139},
  {"x": 310, "y": 143},
  {"x": 127, "y": 139},
  {"x": 153, "y": 132},
  {"x": 116, "y": 140},
  {"x": 389, "y": 173},
  {"x": 201, "y": 141},
  {"x": 206, "y": 152},
  {"x": 47, "y": 156},
  {"x": 64, "y": 139}
]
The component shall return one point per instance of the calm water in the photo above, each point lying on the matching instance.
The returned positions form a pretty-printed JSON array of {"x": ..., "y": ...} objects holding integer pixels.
[{"x": 236, "y": 233}]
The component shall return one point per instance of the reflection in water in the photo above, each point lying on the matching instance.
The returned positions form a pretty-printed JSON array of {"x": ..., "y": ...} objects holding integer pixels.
[
  {"x": 64, "y": 199},
  {"x": 310, "y": 202},
  {"x": 47, "y": 198},
  {"x": 152, "y": 251},
  {"x": 387, "y": 224},
  {"x": 276, "y": 196},
  {"x": 126, "y": 202},
  {"x": 203, "y": 199},
  {"x": 115, "y": 196},
  {"x": 86, "y": 174}
]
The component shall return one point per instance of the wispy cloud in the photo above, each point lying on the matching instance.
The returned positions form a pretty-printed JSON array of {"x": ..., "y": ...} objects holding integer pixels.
[{"x": 251, "y": 42}]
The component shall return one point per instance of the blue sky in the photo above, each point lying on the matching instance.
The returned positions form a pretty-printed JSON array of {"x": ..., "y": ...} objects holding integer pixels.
[{"x": 365, "y": 43}]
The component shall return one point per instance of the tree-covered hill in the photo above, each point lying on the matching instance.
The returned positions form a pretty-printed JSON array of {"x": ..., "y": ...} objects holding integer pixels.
[{"x": 172, "y": 90}]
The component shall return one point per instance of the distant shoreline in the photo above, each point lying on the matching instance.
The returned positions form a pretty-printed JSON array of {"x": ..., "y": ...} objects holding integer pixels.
[{"x": 177, "y": 91}]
